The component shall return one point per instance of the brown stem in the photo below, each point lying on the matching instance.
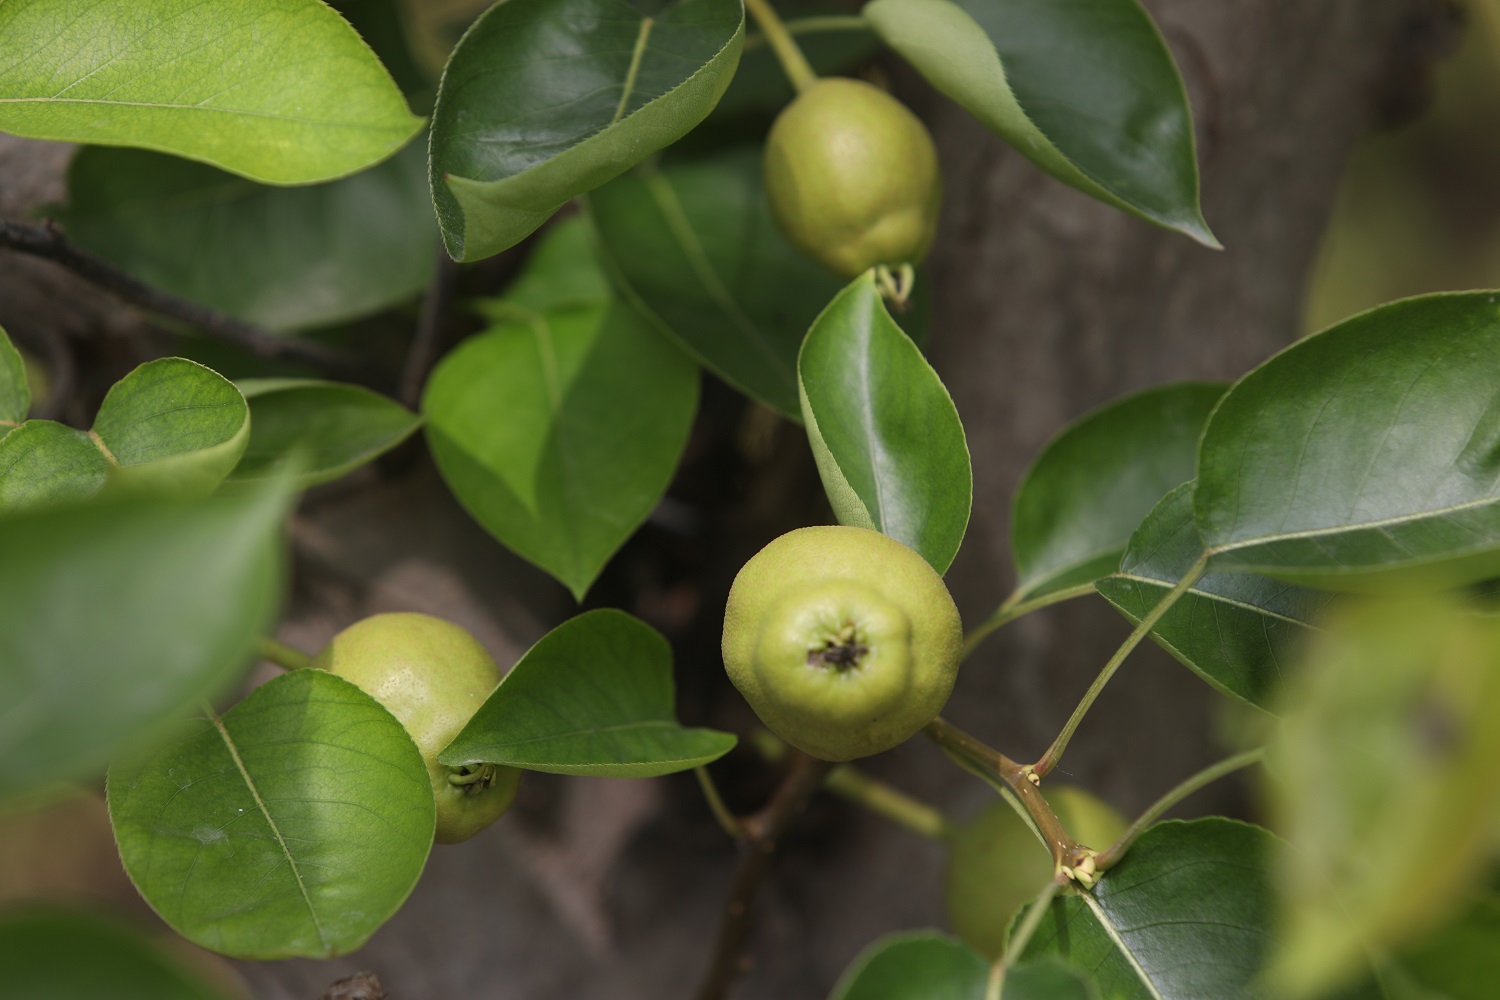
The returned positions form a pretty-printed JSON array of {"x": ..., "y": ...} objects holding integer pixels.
[
  {"x": 761, "y": 832},
  {"x": 48, "y": 242},
  {"x": 1067, "y": 854},
  {"x": 430, "y": 325}
]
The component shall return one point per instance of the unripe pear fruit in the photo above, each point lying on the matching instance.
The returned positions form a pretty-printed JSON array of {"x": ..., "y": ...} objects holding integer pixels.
[
  {"x": 996, "y": 865},
  {"x": 852, "y": 177},
  {"x": 432, "y": 676},
  {"x": 843, "y": 640}
]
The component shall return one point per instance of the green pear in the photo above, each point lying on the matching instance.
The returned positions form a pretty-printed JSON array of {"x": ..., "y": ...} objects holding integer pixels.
[
  {"x": 852, "y": 177},
  {"x": 432, "y": 676},
  {"x": 843, "y": 640},
  {"x": 996, "y": 865}
]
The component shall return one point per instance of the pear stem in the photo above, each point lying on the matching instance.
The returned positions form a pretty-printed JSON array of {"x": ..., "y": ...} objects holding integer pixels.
[
  {"x": 793, "y": 62},
  {"x": 853, "y": 785},
  {"x": 1054, "y": 753},
  {"x": 811, "y": 25},
  {"x": 281, "y": 654}
]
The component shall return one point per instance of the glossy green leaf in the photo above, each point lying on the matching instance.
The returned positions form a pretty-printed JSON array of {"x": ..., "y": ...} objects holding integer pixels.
[
  {"x": 294, "y": 825},
  {"x": 1185, "y": 916},
  {"x": 695, "y": 249},
  {"x": 1367, "y": 456},
  {"x": 593, "y": 696},
  {"x": 544, "y": 100},
  {"x": 886, "y": 436},
  {"x": 116, "y": 617},
  {"x": 55, "y": 954},
  {"x": 15, "y": 392},
  {"x": 1083, "y": 497},
  {"x": 171, "y": 426},
  {"x": 1460, "y": 961},
  {"x": 280, "y": 91},
  {"x": 1389, "y": 782},
  {"x": 283, "y": 258},
  {"x": 1085, "y": 89},
  {"x": 920, "y": 965},
  {"x": 558, "y": 430},
  {"x": 1238, "y": 631},
  {"x": 328, "y": 428}
]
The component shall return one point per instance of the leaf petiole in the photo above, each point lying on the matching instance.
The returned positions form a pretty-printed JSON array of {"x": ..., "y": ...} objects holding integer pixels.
[
  {"x": 1015, "y": 606},
  {"x": 1054, "y": 753},
  {"x": 281, "y": 654}
]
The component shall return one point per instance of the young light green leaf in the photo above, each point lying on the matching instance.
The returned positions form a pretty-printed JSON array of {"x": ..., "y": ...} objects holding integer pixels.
[
  {"x": 1081, "y": 500},
  {"x": 171, "y": 427},
  {"x": 15, "y": 392},
  {"x": 331, "y": 428},
  {"x": 919, "y": 965},
  {"x": 544, "y": 100},
  {"x": 1186, "y": 915},
  {"x": 295, "y": 825},
  {"x": 44, "y": 462},
  {"x": 886, "y": 436},
  {"x": 1085, "y": 89},
  {"x": 1367, "y": 456},
  {"x": 694, "y": 248},
  {"x": 58, "y": 954},
  {"x": 1388, "y": 784},
  {"x": 1238, "y": 631},
  {"x": 283, "y": 258},
  {"x": 116, "y": 617},
  {"x": 593, "y": 696},
  {"x": 563, "y": 272},
  {"x": 559, "y": 430},
  {"x": 279, "y": 91}
]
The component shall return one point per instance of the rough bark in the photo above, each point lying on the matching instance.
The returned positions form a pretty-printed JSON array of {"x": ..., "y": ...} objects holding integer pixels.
[{"x": 1047, "y": 304}]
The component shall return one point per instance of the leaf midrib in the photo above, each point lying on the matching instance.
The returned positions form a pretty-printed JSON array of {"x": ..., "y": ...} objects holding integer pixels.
[
  {"x": 260, "y": 804},
  {"x": 1399, "y": 519},
  {"x": 322, "y": 122}
]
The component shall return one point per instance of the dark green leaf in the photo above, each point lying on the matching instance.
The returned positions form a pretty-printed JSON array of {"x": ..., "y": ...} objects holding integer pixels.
[
  {"x": 1367, "y": 456},
  {"x": 1185, "y": 916},
  {"x": 54, "y": 954},
  {"x": 171, "y": 427},
  {"x": 1388, "y": 768},
  {"x": 921, "y": 965},
  {"x": 1083, "y": 497},
  {"x": 544, "y": 100},
  {"x": 280, "y": 91},
  {"x": 1086, "y": 89},
  {"x": 696, "y": 250},
  {"x": 559, "y": 430},
  {"x": 295, "y": 825},
  {"x": 327, "y": 427},
  {"x": 284, "y": 258},
  {"x": 884, "y": 432},
  {"x": 1235, "y": 630},
  {"x": 116, "y": 617},
  {"x": 15, "y": 392},
  {"x": 594, "y": 696}
]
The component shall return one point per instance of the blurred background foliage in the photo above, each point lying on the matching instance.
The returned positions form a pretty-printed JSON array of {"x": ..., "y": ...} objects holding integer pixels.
[{"x": 1419, "y": 206}]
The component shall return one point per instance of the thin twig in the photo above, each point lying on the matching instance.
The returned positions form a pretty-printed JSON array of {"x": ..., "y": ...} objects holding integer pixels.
[
  {"x": 48, "y": 242},
  {"x": 424, "y": 344},
  {"x": 762, "y": 831}
]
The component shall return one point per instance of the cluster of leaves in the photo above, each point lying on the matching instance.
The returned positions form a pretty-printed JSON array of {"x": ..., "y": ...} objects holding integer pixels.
[{"x": 273, "y": 176}]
